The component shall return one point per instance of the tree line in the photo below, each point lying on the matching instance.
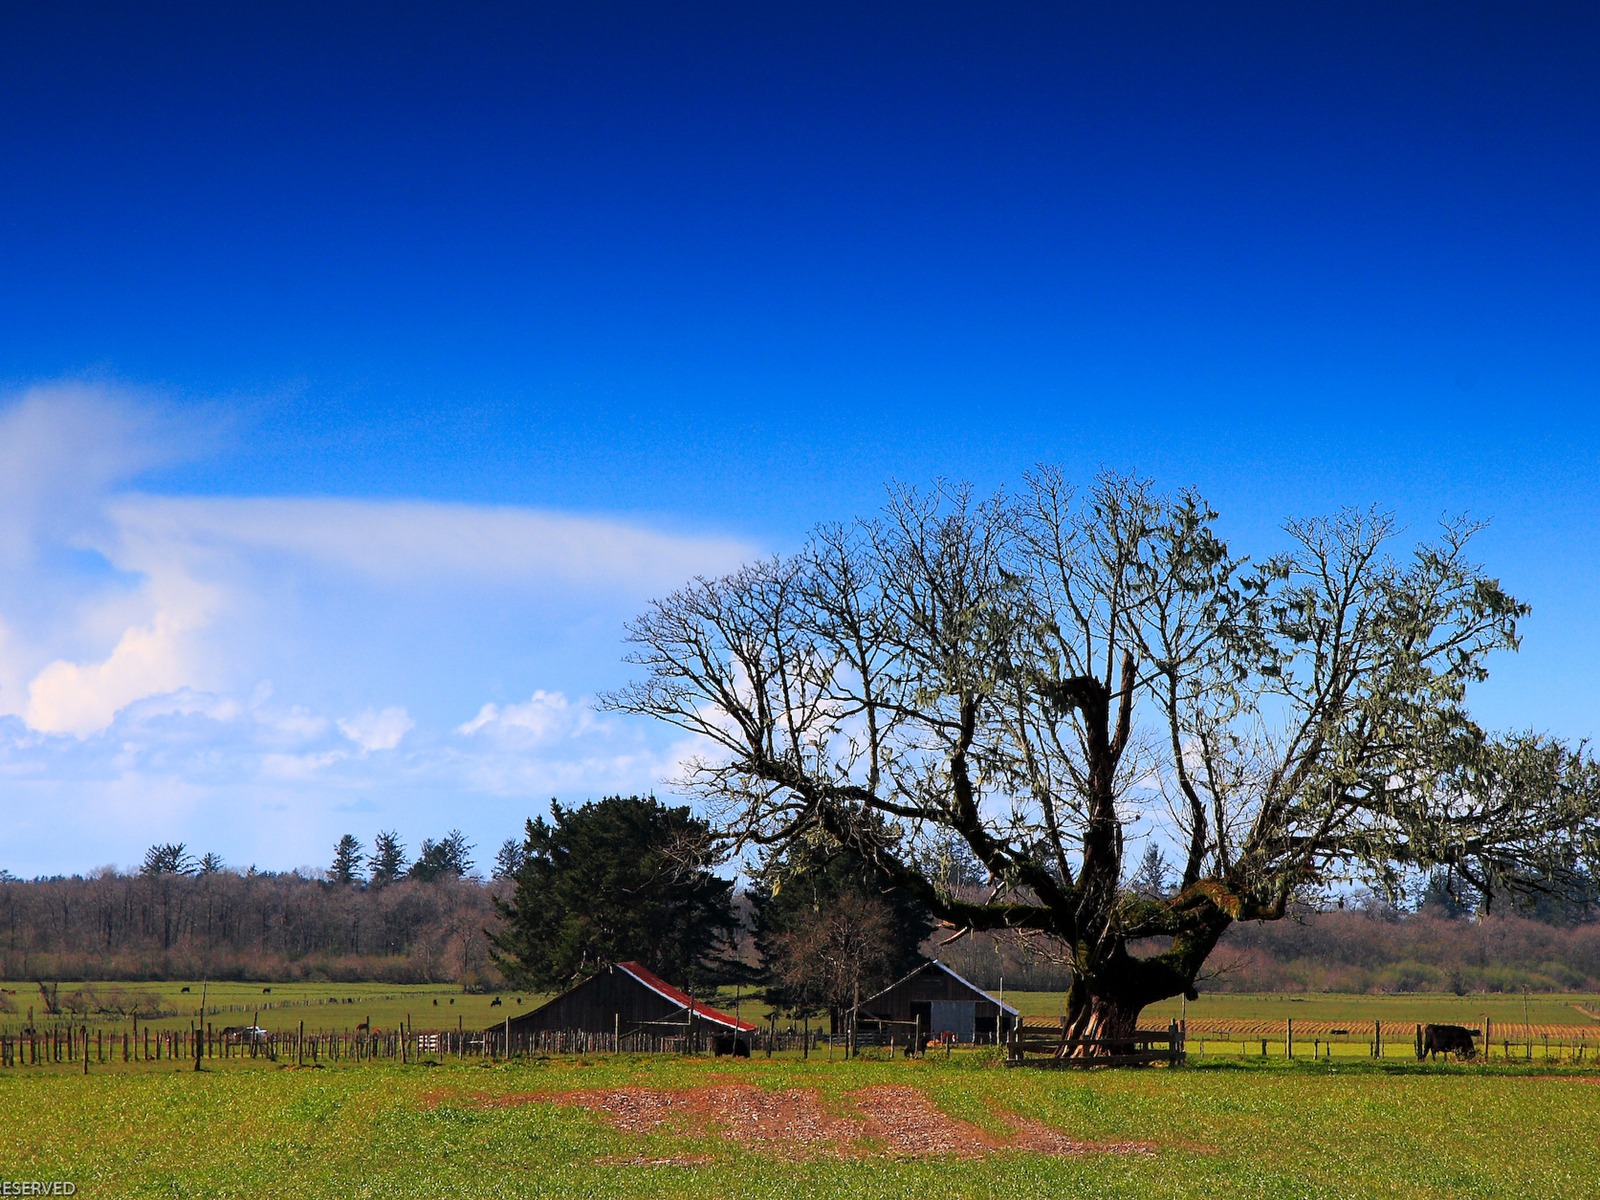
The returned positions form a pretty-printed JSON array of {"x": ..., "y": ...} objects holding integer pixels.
[{"x": 381, "y": 916}]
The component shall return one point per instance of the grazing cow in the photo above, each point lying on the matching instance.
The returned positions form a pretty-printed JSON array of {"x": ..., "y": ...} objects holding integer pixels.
[
  {"x": 495, "y": 1003},
  {"x": 1446, "y": 1039},
  {"x": 735, "y": 1046},
  {"x": 266, "y": 991},
  {"x": 183, "y": 989}
]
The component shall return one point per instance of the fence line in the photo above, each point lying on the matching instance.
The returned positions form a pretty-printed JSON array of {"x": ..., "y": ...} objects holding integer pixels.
[
  {"x": 77, "y": 1043},
  {"x": 1030, "y": 1045}
]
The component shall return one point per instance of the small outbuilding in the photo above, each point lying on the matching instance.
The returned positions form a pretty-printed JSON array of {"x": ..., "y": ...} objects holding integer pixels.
[
  {"x": 942, "y": 1004},
  {"x": 628, "y": 1002}
]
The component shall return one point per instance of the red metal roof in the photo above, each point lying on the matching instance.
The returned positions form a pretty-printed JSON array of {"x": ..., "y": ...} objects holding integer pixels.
[{"x": 662, "y": 988}]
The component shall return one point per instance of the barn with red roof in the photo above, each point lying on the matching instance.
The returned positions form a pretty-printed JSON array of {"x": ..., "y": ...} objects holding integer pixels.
[{"x": 626, "y": 999}]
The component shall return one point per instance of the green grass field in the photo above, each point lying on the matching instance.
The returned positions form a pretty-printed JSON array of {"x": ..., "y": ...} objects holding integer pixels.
[
  {"x": 423, "y": 1006},
  {"x": 1406, "y": 1008},
  {"x": 1215, "y": 1129}
]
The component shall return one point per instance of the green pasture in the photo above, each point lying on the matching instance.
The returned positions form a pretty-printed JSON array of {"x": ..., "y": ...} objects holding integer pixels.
[
  {"x": 333, "y": 1007},
  {"x": 246, "y": 1129},
  {"x": 324, "y": 1007},
  {"x": 1407, "y": 1008}
]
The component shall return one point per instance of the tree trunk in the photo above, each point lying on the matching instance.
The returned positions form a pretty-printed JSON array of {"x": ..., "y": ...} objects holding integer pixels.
[{"x": 1099, "y": 1022}]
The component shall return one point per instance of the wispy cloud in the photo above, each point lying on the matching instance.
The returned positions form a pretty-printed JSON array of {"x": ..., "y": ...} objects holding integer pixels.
[{"x": 405, "y": 542}]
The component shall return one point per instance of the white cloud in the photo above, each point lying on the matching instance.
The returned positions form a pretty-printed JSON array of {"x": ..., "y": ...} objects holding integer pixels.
[
  {"x": 406, "y": 541},
  {"x": 545, "y": 715},
  {"x": 374, "y": 730},
  {"x": 148, "y": 660}
]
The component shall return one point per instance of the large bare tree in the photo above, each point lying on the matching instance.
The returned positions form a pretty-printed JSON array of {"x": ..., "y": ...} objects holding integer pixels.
[{"x": 1054, "y": 676}]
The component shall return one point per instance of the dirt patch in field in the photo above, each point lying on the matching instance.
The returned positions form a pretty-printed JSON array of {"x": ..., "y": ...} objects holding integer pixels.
[
  {"x": 1043, "y": 1139},
  {"x": 906, "y": 1121},
  {"x": 792, "y": 1118},
  {"x": 899, "y": 1121}
]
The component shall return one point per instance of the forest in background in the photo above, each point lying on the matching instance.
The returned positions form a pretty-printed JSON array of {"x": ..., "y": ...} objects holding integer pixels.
[{"x": 225, "y": 924}]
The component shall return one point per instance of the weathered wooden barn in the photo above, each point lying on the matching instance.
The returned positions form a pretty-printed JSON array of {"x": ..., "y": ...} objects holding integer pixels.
[
  {"x": 625, "y": 1000},
  {"x": 945, "y": 1005}
]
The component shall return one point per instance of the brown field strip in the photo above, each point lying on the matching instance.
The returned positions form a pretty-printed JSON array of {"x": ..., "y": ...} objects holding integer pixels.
[{"x": 887, "y": 1120}]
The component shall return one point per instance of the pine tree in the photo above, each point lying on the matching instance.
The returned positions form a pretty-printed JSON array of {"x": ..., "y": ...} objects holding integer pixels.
[
  {"x": 346, "y": 868},
  {"x": 509, "y": 859},
  {"x": 448, "y": 858},
  {"x": 388, "y": 859},
  {"x": 1149, "y": 880},
  {"x": 624, "y": 878}
]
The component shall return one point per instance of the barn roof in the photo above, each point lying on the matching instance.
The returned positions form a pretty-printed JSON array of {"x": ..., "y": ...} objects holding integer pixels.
[
  {"x": 961, "y": 979},
  {"x": 662, "y": 988}
]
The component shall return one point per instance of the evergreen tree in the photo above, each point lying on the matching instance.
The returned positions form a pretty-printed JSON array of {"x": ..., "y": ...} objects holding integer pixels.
[
  {"x": 509, "y": 859},
  {"x": 388, "y": 859},
  {"x": 346, "y": 868},
  {"x": 1149, "y": 880},
  {"x": 622, "y": 879},
  {"x": 168, "y": 858},
  {"x": 448, "y": 858}
]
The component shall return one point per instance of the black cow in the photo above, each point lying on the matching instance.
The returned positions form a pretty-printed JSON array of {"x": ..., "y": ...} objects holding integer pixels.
[
  {"x": 1446, "y": 1039},
  {"x": 735, "y": 1046}
]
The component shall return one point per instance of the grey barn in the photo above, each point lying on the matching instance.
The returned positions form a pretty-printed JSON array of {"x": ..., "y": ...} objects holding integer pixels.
[{"x": 949, "y": 1007}]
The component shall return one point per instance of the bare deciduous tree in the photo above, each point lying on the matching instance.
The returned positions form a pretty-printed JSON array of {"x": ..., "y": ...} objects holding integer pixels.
[{"x": 1034, "y": 672}]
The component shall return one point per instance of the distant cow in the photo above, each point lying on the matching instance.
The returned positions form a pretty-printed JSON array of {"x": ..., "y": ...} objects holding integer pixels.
[
  {"x": 495, "y": 1003},
  {"x": 1446, "y": 1039},
  {"x": 735, "y": 1046}
]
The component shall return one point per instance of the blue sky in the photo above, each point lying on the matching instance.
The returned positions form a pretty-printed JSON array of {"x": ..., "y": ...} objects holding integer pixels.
[{"x": 365, "y": 366}]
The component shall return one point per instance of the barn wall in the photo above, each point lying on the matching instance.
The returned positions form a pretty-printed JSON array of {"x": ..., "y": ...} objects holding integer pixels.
[
  {"x": 933, "y": 984},
  {"x": 595, "y": 1005},
  {"x": 916, "y": 996}
]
